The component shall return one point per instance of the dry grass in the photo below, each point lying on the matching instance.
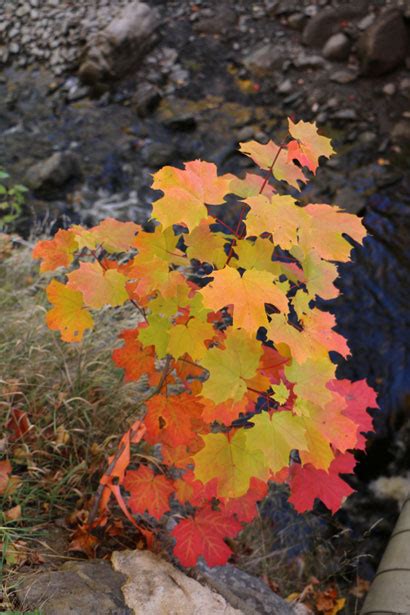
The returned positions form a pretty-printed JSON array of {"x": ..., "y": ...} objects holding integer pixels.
[{"x": 74, "y": 398}]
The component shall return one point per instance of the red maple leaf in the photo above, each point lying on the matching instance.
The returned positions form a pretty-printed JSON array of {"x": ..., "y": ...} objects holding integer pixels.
[
  {"x": 307, "y": 483},
  {"x": 204, "y": 535},
  {"x": 149, "y": 492},
  {"x": 272, "y": 364},
  {"x": 359, "y": 397},
  {"x": 188, "y": 488},
  {"x": 244, "y": 508}
]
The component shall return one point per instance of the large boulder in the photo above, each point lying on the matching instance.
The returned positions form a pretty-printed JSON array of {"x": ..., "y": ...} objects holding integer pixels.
[
  {"x": 384, "y": 45},
  {"x": 327, "y": 22},
  {"x": 116, "y": 50},
  {"x": 78, "y": 587},
  {"x": 154, "y": 586}
]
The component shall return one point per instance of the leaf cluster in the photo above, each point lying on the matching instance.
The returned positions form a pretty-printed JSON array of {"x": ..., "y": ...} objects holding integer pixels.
[{"x": 236, "y": 351}]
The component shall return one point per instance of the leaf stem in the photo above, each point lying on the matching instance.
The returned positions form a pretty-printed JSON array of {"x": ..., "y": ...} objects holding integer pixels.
[{"x": 270, "y": 171}]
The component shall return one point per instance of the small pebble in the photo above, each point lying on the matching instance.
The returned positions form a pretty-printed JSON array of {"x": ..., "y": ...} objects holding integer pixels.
[{"x": 389, "y": 89}]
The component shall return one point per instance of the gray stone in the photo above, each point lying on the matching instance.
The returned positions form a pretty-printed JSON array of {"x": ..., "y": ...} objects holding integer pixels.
[
  {"x": 263, "y": 58},
  {"x": 344, "y": 76},
  {"x": 156, "y": 155},
  {"x": 53, "y": 172},
  {"x": 215, "y": 21},
  {"x": 337, "y": 47},
  {"x": 401, "y": 133},
  {"x": 23, "y": 10},
  {"x": 389, "y": 89},
  {"x": 309, "y": 61},
  {"x": 368, "y": 137},
  {"x": 345, "y": 114},
  {"x": 366, "y": 22},
  {"x": 405, "y": 87},
  {"x": 327, "y": 22},
  {"x": 14, "y": 48},
  {"x": 253, "y": 596},
  {"x": 154, "y": 586},
  {"x": 285, "y": 87},
  {"x": 145, "y": 99},
  {"x": 349, "y": 199},
  {"x": 296, "y": 21},
  {"x": 117, "y": 50},
  {"x": 384, "y": 45},
  {"x": 245, "y": 133},
  {"x": 79, "y": 587}
]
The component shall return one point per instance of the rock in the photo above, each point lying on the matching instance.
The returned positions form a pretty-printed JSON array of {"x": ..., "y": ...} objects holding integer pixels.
[
  {"x": 405, "y": 87},
  {"x": 366, "y": 22},
  {"x": 345, "y": 114},
  {"x": 156, "y": 155},
  {"x": 263, "y": 58},
  {"x": 368, "y": 137},
  {"x": 306, "y": 61},
  {"x": 337, "y": 47},
  {"x": 53, "y": 172},
  {"x": 14, "y": 48},
  {"x": 285, "y": 87},
  {"x": 344, "y": 76},
  {"x": 251, "y": 593},
  {"x": 77, "y": 588},
  {"x": 145, "y": 99},
  {"x": 296, "y": 21},
  {"x": 326, "y": 22},
  {"x": 154, "y": 586},
  {"x": 116, "y": 50},
  {"x": 245, "y": 133},
  {"x": 401, "y": 133},
  {"x": 389, "y": 89},
  {"x": 384, "y": 45},
  {"x": 350, "y": 200},
  {"x": 215, "y": 21}
]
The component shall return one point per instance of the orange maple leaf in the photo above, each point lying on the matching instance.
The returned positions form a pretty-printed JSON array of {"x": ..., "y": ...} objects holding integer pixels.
[
  {"x": 135, "y": 359},
  {"x": 174, "y": 419},
  {"x": 56, "y": 252},
  {"x": 149, "y": 492}
]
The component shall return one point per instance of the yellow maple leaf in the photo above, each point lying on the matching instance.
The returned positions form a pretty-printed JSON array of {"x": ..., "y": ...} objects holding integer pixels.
[
  {"x": 276, "y": 436},
  {"x": 230, "y": 459},
  {"x": 247, "y": 293},
  {"x": 230, "y": 367},
  {"x": 68, "y": 315},
  {"x": 308, "y": 145},
  {"x": 187, "y": 191},
  {"x": 278, "y": 215},
  {"x": 190, "y": 338},
  {"x": 264, "y": 155}
]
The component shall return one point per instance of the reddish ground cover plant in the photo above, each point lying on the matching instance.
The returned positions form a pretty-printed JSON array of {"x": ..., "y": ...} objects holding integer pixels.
[{"x": 228, "y": 317}]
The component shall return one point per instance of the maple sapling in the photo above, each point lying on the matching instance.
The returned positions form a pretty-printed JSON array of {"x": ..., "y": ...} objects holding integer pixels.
[{"x": 227, "y": 315}]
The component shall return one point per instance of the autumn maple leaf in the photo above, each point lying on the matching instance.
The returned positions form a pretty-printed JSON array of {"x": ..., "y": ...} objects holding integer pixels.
[
  {"x": 56, "y": 252},
  {"x": 203, "y": 535},
  {"x": 307, "y": 483},
  {"x": 149, "y": 492},
  {"x": 68, "y": 314},
  {"x": 173, "y": 420}
]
